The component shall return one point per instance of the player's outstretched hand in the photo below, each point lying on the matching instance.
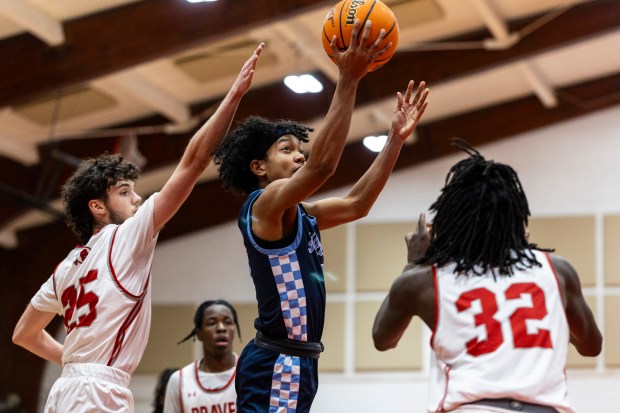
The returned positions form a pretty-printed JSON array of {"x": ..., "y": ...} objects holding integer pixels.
[
  {"x": 355, "y": 61},
  {"x": 409, "y": 111},
  {"x": 246, "y": 75},
  {"x": 418, "y": 241}
]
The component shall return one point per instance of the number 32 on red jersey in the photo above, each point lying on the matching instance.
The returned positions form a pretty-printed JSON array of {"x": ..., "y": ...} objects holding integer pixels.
[{"x": 488, "y": 302}]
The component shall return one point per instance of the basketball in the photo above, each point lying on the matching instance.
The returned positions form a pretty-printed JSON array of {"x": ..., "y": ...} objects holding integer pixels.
[{"x": 340, "y": 19}]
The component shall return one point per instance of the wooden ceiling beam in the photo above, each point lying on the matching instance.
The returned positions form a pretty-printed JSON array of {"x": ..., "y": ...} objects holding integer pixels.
[
  {"x": 580, "y": 23},
  {"x": 34, "y": 20},
  {"x": 119, "y": 38}
]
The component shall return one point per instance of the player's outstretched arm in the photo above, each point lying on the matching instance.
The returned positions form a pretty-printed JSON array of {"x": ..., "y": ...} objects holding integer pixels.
[
  {"x": 329, "y": 143},
  {"x": 584, "y": 333},
  {"x": 30, "y": 334},
  {"x": 199, "y": 151},
  {"x": 412, "y": 293},
  {"x": 356, "y": 204},
  {"x": 394, "y": 315}
]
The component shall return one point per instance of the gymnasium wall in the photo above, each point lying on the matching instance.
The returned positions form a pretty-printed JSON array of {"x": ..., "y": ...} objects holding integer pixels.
[{"x": 569, "y": 171}]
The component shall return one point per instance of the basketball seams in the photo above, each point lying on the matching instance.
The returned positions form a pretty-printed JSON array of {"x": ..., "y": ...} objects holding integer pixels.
[
  {"x": 387, "y": 34},
  {"x": 344, "y": 43},
  {"x": 341, "y": 16},
  {"x": 329, "y": 41},
  {"x": 369, "y": 13},
  {"x": 390, "y": 56}
]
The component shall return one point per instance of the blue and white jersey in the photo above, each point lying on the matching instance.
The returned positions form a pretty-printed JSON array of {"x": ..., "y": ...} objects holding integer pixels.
[{"x": 288, "y": 278}]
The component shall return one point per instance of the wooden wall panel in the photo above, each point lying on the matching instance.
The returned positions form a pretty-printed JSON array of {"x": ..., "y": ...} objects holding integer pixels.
[
  {"x": 333, "y": 357},
  {"x": 406, "y": 356},
  {"x": 612, "y": 246},
  {"x": 382, "y": 254},
  {"x": 334, "y": 242},
  {"x": 611, "y": 332},
  {"x": 573, "y": 238},
  {"x": 169, "y": 325},
  {"x": 247, "y": 313}
]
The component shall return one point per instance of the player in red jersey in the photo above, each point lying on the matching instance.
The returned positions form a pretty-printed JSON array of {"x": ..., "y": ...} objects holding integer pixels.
[
  {"x": 502, "y": 310},
  {"x": 102, "y": 289},
  {"x": 207, "y": 384}
]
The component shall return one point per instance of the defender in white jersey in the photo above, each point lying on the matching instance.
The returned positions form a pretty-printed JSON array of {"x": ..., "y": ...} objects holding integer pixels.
[
  {"x": 502, "y": 310},
  {"x": 102, "y": 289},
  {"x": 207, "y": 385}
]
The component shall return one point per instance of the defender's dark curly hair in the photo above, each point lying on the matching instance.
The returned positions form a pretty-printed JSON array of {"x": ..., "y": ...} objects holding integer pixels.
[
  {"x": 249, "y": 141},
  {"x": 480, "y": 219},
  {"x": 91, "y": 181},
  {"x": 200, "y": 312}
]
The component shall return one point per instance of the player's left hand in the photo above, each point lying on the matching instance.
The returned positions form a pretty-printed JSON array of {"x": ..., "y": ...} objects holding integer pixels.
[
  {"x": 409, "y": 110},
  {"x": 418, "y": 241},
  {"x": 246, "y": 75}
]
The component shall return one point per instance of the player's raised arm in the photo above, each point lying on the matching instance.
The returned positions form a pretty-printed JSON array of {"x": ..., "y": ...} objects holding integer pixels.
[
  {"x": 353, "y": 64},
  {"x": 412, "y": 293},
  {"x": 200, "y": 149},
  {"x": 356, "y": 204}
]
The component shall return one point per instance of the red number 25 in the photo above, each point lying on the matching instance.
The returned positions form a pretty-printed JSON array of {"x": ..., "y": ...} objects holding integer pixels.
[{"x": 72, "y": 300}]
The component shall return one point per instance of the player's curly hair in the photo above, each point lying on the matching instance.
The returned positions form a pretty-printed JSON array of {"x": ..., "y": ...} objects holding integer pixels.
[
  {"x": 91, "y": 181},
  {"x": 200, "y": 312},
  {"x": 480, "y": 219},
  {"x": 249, "y": 141}
]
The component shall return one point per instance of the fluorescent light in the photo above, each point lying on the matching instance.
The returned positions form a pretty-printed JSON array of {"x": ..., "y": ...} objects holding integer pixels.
[
  {"x": 303, "y": 84},
  {"x": 312, "y": 84},
  {"x": 375, "y": 143},
  {"x": 200, "y": 1}
]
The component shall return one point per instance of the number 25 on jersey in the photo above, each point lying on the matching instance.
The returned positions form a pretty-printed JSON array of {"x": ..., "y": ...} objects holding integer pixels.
[{"x": 72, "y": 301}]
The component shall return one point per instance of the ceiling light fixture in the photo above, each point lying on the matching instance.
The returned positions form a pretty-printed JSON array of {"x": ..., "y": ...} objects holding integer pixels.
[
  {"x": 200, "y": 1},
  {"x": 375, "y": 143},
  {"x": 303, "y": 84}
]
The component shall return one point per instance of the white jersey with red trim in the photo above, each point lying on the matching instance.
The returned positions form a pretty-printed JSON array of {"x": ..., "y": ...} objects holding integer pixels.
[
  {"x": 502, "y": 337},
  {"x": 191, "y": 390},
  {"x": 102, "y": 290}
]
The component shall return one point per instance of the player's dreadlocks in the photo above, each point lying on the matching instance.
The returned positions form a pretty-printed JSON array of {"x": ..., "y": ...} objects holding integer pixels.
[
  {"x": 480, "y": 219},
  {"x": 249, "y": 141},
  {"x": 91, "y": 181},
  {"x": 200, "y": 311}
]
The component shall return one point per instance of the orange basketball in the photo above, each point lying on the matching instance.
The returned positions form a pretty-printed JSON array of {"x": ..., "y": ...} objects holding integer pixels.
[{"x": 339, "y": 22}]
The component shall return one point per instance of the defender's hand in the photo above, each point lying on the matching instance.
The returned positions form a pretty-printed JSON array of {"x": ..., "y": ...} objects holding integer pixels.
[{"x": 418, "y": 241}]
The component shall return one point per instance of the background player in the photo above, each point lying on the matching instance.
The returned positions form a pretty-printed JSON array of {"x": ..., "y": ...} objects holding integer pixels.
[
  {"x": 102, "y": 288},
  {"x": 502, "y": 310},
  {"x": 265, "y": 160},
  {"x": 160, "y": 389},
  {"x": 206, "y": 385}
]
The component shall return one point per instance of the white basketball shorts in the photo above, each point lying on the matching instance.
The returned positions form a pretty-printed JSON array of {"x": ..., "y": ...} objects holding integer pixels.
[{"x": 90, "y": 388}]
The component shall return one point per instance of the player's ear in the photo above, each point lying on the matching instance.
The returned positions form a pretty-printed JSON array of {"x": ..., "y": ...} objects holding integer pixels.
[
  {"x": 199, "y": 334},
  {"x": 257, "y": 167},
  {"x": 97, "y": 208}
]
